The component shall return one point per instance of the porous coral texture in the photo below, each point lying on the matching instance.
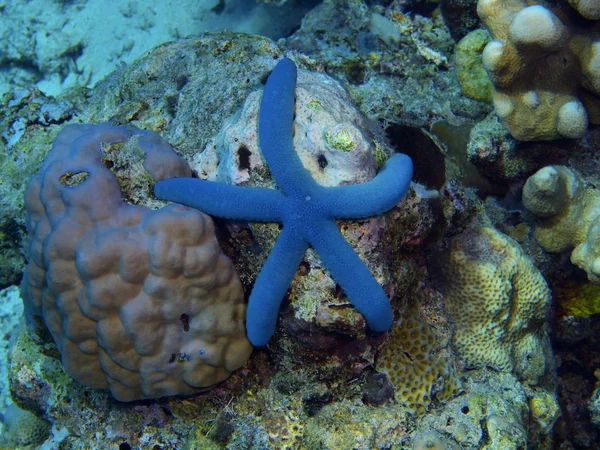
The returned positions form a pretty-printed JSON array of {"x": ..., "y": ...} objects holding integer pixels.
[
  {"x": 412, "y": 362},
  {"x": 544, "y": 64},
  {"x": 497, "y": 301},
  {"x": 139, "y": 301},
  {"x": 568, "y": 211}
]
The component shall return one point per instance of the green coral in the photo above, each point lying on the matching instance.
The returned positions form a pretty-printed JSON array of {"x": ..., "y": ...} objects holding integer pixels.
[
  {"x": 342, "y": 140},
  {"x": 471, "y": 75}
]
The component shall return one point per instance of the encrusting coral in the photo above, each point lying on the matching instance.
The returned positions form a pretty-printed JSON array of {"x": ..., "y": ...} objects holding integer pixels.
[
  {"x": 497, "y": 301},
  {"x": 544, "y": 65},
  {"x": 410, "y": 358},
  {"x": 306, "y": 210},
  {"x": 142, "y": 302},
  {"x": 569, "y": 216}
]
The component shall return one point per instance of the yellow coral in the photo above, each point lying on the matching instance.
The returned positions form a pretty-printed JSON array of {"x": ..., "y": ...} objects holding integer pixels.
[
  {"x": 569, "y": 216},
  {"x": 544, "y": 68},
  {"x": 497, "y": 301},
  {"x": 411, "y": 362},
  {"x": 544, "y": 409}
]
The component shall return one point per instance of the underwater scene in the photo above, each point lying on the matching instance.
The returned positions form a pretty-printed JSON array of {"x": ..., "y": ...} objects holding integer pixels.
[{"x": 300, "y": 224}]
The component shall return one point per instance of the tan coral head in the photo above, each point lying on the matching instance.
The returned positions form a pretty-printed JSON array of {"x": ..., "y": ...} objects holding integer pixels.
[
  {"x": 544, "y": 67},
  {"x": 537, "y": 27},
  {"x": 142, "y": 302}
]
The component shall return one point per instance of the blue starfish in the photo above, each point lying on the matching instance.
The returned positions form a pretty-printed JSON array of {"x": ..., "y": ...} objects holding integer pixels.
[{"x": 307, "y": 211}]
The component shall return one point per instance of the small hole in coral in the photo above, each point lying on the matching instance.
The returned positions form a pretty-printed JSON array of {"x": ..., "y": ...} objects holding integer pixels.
[
  {"x": 243, "y": 157},
  {"x": 465, "y": 410},
  {"x": 304, "y": 268},
  {"x": 182, "y": 81},
  {"x": 172, "y": 358},
  {"x": 124, "y": 446},
  {"x": 322, "y": 161},
  {"x": 185, "y": 322},
  {"x": 72, "y": 179},
  {"x": 166, "y": 411}
]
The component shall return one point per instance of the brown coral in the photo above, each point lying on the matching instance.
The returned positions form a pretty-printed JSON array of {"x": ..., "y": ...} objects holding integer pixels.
[{"x": 139, "y": 301}]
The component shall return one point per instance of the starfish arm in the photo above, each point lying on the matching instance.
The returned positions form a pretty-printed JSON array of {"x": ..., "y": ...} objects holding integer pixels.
[
  {"x": 271, "y": 286},
  {"x": 275, "y": 130},
  {"x": 352, "y": 275},
  {"x": 374, "y": 197},
  {"x": 223, "y": 200}
]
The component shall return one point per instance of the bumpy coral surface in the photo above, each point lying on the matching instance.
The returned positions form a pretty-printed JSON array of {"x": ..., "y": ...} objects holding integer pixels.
[
  {"x": 544, "y": 65},
  {"x": 139, "y": 301},
  {"x": 569, "y": 215},
  {"x": 497, "y": 301},
  {"x": 411, "y": 360}
]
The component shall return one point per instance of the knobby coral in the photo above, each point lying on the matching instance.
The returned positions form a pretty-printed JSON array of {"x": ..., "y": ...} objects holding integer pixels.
[
  {"x": 306, "y": 210},
  {"x": 568, "y": 213},
  {"x": 544, "y": 64},
  {"x": 139, "y": 301}
]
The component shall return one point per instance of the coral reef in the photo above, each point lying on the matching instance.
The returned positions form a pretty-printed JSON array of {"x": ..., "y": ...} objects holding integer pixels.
[
  {"x": 255, "y": 409},
  {"x": 185, "y": 77},
  {"x": 543, "y": 64},
  {"x": 332, "y": 138},
  {"x": 568, "y": 212},
  {"x": 28, "y": 123},
  {"x": 594, "y": 403},
  {"x": 138, "y": 301},
  {"x": 315, "y": 384},
  {"x": 493, "y": 410}
]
